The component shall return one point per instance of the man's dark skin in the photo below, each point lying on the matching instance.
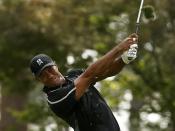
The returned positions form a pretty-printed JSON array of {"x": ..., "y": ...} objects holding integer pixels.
[{"x": 108, "y": 65}]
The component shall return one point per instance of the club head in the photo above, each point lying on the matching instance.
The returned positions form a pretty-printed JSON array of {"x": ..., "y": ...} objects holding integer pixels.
[{"x": 149, "y": 12}]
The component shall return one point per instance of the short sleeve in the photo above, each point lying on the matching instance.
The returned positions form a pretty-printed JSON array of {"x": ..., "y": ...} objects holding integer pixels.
[{"x": 62, "y": 100}]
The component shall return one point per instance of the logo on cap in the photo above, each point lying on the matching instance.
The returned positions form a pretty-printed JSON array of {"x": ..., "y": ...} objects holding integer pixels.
[{"x": 39, "y": 61}]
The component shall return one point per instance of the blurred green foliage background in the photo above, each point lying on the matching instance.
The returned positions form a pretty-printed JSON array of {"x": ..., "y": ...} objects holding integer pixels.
[{"x": 66, "y": 29}]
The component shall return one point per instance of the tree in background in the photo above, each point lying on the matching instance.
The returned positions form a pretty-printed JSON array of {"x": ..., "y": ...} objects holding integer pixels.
[{"x": 67, "y": 28}]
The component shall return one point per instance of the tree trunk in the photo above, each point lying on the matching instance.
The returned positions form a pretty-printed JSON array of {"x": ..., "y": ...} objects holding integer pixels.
[
  {"x": 134, "y": 115},
  {"x": 10, "y": 102},
  {"x": 173, "y": 121}
]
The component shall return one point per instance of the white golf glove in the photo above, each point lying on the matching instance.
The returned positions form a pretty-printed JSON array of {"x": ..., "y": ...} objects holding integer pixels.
[{"x": 130, "y": 54}]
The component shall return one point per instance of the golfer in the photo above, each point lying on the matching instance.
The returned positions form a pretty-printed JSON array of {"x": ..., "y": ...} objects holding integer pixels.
[{"x": 73, "y": 97}]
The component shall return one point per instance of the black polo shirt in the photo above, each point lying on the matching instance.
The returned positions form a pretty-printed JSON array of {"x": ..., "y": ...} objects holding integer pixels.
[{"x": 90, "y": 113}]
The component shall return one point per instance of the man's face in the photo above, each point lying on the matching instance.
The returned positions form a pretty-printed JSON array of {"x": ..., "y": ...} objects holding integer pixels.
[{"x": 51, "y": 77}]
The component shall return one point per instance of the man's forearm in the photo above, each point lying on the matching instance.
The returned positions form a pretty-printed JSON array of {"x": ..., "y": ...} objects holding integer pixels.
[
  {"x": 108, "y": 65},
  {"x": 115, "y": 68}
]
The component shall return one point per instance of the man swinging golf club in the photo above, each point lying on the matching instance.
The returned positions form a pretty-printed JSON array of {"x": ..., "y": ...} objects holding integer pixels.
[{"x": 73, "y": 97}]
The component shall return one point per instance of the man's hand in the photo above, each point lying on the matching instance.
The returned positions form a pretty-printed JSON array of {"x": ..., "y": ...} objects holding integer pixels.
[
  {"x": 130, "y": 54},
  {"x": 127, "y": 42}
]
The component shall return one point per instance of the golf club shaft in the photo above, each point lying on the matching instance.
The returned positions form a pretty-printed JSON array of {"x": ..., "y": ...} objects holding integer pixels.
[{"x": 138, "y": 17}]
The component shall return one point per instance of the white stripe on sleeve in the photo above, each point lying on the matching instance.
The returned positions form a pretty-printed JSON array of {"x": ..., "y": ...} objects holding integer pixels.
[{"x": 55, "y": 102}]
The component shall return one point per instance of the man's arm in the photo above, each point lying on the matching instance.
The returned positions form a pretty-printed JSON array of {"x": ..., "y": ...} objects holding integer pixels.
[{"x": 108, "y": 65}]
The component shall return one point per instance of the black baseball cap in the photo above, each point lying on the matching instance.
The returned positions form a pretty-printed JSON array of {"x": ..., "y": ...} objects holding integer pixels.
[{"x": 39, "y": 62}]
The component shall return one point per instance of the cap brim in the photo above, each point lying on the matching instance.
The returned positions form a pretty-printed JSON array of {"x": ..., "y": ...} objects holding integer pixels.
[{"x": 47, "y": 65}]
